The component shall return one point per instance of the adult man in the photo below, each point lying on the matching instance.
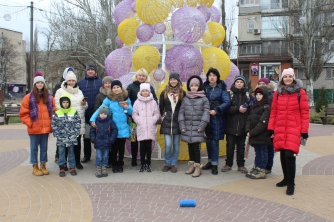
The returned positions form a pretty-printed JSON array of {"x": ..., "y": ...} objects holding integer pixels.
[{"x": 90, "y": 86}]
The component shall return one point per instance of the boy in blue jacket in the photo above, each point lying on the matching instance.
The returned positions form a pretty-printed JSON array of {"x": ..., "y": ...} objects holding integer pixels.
[{"x": 103, "y": 136}]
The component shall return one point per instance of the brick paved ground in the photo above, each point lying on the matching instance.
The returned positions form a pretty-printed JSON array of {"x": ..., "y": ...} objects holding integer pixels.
[{"x": 134, "y": 196}]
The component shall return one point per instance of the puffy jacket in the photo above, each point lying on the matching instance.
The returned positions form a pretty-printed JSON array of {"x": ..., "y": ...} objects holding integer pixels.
[
  {"x": 133, "y": 90},
  {"x": 104, "y": 134},
  {"x": 146, "y": 114},
  {"x": 43, "y": 124},
  {"x": 99, "y": 98},
  {"x": 257, "y": 121},
  {"x": 170, "y": 123},
  {"x": 90, "y": 88},
  {"x": 66, "y": 124},
  {"x": 289, "y": 117},
  {"x": 235, "y": 120},
  {"x": 76, "y": 97},
  {"x": 220, "y": 95},
  {"x": 119, "y": 114}
]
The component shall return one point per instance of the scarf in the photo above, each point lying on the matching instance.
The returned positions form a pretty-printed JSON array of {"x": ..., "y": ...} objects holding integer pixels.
[
  {"x": 34, "y": 108},
  {"x": 193, "y": 95},
  {"x": 260, "y": 103},
  {"x": 173, "y": 92}
]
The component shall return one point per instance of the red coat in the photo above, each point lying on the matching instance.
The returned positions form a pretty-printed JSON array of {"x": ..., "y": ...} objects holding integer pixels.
[
  {"x": 43, "y": 124},
  {"x": 289, "y": 118}
]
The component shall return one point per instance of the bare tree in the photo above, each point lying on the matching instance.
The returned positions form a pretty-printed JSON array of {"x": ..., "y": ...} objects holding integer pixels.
[{"x": 228, "y": 21}]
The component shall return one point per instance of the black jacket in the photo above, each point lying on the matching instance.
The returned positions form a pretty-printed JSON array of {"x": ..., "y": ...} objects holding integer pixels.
[
  {"x": 58, "y": 85},
  {"x": 235, "y": 120},
  {"x": 133, "y": 90}
]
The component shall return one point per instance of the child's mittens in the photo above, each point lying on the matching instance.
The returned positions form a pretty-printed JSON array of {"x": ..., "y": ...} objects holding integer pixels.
[{"x": 183, "y": 130}]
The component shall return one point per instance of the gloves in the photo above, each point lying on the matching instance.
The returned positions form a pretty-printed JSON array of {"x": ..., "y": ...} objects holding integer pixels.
[{"x": 304, "y": 135}]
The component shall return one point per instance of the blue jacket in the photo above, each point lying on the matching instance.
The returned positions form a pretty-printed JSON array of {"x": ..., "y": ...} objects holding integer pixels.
[
  {"x": 119, "y": 115},
  {"x": 90, "y": 87},
  {"x": 220, "y": 101},
  {"x": 104, "y": 134}
]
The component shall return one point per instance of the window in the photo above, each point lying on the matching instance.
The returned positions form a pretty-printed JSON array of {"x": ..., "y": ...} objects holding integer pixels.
[
  {"x": 274, "y": 47},
  {"x": 270, "y": 71},
  {"x": 251, "y": 25},
  {"x": 274, "y": 4},
  {"x": 249, "y": 2},
  {"x": 250, "y": 49},
  {"x": 300, "y": 74},
  {"x": 276, "y": 25},
  {"x": 329, "y": 73}
]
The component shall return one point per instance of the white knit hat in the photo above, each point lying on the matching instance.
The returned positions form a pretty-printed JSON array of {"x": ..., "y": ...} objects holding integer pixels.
[
  {"x": 39, "y": 79},
  {"x": 71, "y": 76},
  {"x": 145, "y": 86}
]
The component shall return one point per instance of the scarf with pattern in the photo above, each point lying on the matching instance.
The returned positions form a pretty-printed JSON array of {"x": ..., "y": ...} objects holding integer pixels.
[
  {"x": 173, "y": 92},
  {"x": 34, "y": 108}
]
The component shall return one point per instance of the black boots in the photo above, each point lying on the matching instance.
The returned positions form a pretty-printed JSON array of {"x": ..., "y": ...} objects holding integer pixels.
[
  {"x": 207, "y": 166},
  {"x": 214, "y": 169},
  {"x": 134, "y": 151},
  {"x": 291, "y": 169},
  {"x": 284, "y": 182}
]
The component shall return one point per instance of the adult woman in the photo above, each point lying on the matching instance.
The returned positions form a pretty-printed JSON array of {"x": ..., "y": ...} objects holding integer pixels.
[
  {"x": 215, "y": 91},
  {"x": 70, "y": 87},
  {"x": 169, "y": 104},
  {"x": 289, "y": 122},
  {"x": 120, "y": 107},
  {"x": 140, "y": 77},
  {"x": 36, "y": 113},
  {"x": 106, "y": 85}
]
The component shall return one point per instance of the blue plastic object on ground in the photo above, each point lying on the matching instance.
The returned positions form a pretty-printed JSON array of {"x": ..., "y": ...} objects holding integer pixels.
[{"x": 187, "y": 203}]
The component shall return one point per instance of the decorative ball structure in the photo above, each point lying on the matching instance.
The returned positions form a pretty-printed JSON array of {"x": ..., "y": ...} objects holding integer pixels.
[
  {"x": 160, "y": 28},
  {"x": 205, "y": 11},
  {"x": 118, "y": 62},
  {"x": 234, "y": 72},
  {"x": 215, "y": 14},
  {"x": 126, "y": 79},
  {"x": 207, "y": 38},
  {"x": 146, "y": 57},
  {"x": 127, "y": 31},
  {"x": 159, "y": 75},
  {"x": 155, "y": 38},
  {"x": 217, "y": 32},
  {"x": 192, "y": 3},
  {"x": 123, "y": 11},
  {"x": 178, "y": 3},
  {"x": 153, "y": 11},
  {"x": 185, "y": 60},
  {"x": 207, "y": 3},
  {"x": 145, "y": 32},
  {"x": 133, "y": 7},
  {"x": 188, "y": 24},
  {"x": 119, "y": 42},
  {"x": 217, "y": 58}
]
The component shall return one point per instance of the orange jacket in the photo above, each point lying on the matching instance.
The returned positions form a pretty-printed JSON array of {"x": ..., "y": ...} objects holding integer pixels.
[{"x": 43, "y": 124}]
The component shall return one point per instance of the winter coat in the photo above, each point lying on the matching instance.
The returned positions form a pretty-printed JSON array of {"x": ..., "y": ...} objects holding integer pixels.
[
  {"x": 220, "y": 101},
  {"x": 66, "y": 124},
  {"x": 119, "y": 114},
  {"x": 100, "y": 97},
  {"x": 90, "y": 88},
  {"x": 76, "y": 97},
  {"x": 289, "y": 117},
  {"x": 43, "y": 124},
  {"x": 257, "y": 121},
  {"x": 104, "y": 134},
  {"x": 146, "y": 114},
  {"x": 133, "y": 90},
  {"x": 170, "y": 123},
  {"x": 235, "y": 120}
]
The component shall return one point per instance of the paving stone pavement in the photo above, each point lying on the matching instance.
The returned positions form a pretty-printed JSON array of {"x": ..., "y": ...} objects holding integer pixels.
[{"x": 134, "y": 196}]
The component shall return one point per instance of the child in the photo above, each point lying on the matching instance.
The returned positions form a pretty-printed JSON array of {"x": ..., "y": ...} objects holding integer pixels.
[
  {"x": 259, "y": 136},
  {"x": 66, "y": 125},
  {"x": 103, "y": 135},
  {"x": 193, "y": 117},
  {"x": 145, "y": 114}
]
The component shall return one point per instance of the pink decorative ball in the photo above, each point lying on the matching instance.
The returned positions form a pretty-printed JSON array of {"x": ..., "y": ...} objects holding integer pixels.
[
  {"x": 159, "y": 75},
  {"x": 123, "y": 11},
  {"x": 118, "y": 62},
  {"x": 160, "y": 28},
  {"x": 215, "y": 14},
  {"x": 206, "y": 12},
  {"x": 145, "y": 32},
  {"x": 119, "y": 42},
  {"x": 233, "y": 73}
]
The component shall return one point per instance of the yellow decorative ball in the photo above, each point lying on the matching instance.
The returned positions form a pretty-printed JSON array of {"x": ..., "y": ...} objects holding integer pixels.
[
  {"x": 146, "y": 57},
  {"x": 192, "y": 3},
  {"x": 178, "y": 3},
  {"x": 207, "y": 3},
  {"x": 217, "y": 32},
  {"x": 207, "y": 38},
  {"x": 153, "y": 11},
  {"x": 169, "y": 31},
  {"x": 127, "y": 31},
  {"x": 216, "y": 58}
]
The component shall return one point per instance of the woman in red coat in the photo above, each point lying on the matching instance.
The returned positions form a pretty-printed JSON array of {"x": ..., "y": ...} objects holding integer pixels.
[{"x": 289, "y": 123}]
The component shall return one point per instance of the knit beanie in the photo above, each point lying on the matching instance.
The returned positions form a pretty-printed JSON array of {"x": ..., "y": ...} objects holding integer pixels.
[
  {"x": 288, "y": 71},
  {"x": 90, "y": 67},
  {"x": 240, "y": 78},
  {"x": 107, "y": 79},
  {"x": 66, "y": 71},
  {"x": 145, "y": 86},
  {"x": 38, "y": 77},
  {"x": 194, "y": 81},
  {"x": 265, "y": 80},
  {"x": 175, "y": 76},
  {"x": 116, "y": 82},
  {"x": 70, "y": 76},
  {"x": 104, "y": 109}
]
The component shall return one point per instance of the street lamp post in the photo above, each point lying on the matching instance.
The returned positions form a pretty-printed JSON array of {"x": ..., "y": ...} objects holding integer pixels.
[{"x": 237, "y": 51}]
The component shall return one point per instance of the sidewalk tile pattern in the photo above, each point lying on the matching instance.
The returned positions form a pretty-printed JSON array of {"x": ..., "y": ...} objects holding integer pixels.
[
  {"x": 320, "y": 166},
  {"x": 14, "y": 134},
  {"x": 11, "y": 159}
]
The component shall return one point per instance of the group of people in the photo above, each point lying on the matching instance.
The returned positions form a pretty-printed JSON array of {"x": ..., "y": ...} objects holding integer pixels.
[{"x": 101, "y": 110}]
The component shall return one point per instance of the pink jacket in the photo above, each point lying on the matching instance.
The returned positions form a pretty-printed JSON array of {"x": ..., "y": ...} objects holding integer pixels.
[{"x": 145, "y": 114}]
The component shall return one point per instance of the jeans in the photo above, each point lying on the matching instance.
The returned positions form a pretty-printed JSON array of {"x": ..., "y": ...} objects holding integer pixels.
[
  {"x": 70, "y": 156},
  {"x": 102, "y": 157},
  {"x": 172, "y": 156},
  {"x": 145, "y": 151},
  {"x": 194, "y": 150},
  {"x": 231, "y": 140},
  {"x": 212, "y": 147},
  {"x": 271, "y": 153},
  {"x": 118, "y": 148},
  {"x": 40, "y": 140},
  {"x": 261, "y": 155}
]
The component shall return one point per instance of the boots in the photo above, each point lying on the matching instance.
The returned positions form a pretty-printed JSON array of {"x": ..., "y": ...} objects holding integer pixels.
[
  {"x": 36, "y": 171},
  {"x": 214, "y": 169},
  {"x": 61, "y": 171},
  {"x": 104, "y": 171},
  {"x": 268, "y": 169},
  {"x": 134, "y": 151},
  {"x": 198, "y": 170},
  {"x": 148, "y": 168},
  {"x": 77, "y": 153},
  {"x": 291, "y": 173},
  {"x": 142, "y": 168},
  {"x": 251, "y": 172},
  {"x": 114, "y": 168},
  {"x": 207, "y": 166},
  {"x": 258, "y": 173},
  {"x": 98, "y": 171},
  {"x": 43, "y": 169},
  {"x": 284, "y": 182},
  {"x": 191, "y": 167}
]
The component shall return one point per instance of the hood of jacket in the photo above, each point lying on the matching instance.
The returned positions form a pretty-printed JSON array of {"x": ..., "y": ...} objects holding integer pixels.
[
  {"x": 201, "y": 85},
  {"x": 103, "y": 91},
  {"x": 61, "y": 106},
  {"x": 271, "y": 86},
  {"x": 118, "y": 97}
]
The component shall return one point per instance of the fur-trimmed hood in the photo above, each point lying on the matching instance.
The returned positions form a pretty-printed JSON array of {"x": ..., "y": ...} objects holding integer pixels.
[
  {"x": 118, "y": 97},
  {"x": 294, "y": 87},
  {"x": 271, "y": 86},
  {"x": 103, "y": 91}
]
